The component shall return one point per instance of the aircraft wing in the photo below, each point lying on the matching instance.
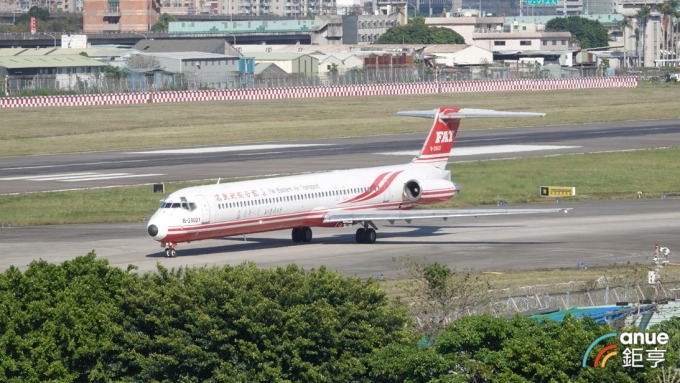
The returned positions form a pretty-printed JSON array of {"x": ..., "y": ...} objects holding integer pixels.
[
  {"x": 467, "y": 113},
  {"x": 408, "y": 215}
]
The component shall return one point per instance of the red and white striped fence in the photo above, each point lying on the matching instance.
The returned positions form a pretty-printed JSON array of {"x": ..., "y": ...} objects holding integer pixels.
[{"x": 320, "y": 91}]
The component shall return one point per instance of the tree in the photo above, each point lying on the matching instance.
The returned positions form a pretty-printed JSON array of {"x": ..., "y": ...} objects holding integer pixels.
[
  {"x": 669, "y": 10},
  {"x": 625, "y": 24},
  {"x": 416, "y": 32},
  {"x": 588, "y": 33},
  {"x": 143, "y": 62},
  {"x": 162, "y": 24},
  {"x": 438, "y": 295},
  {"x": 642, "y": 16}
]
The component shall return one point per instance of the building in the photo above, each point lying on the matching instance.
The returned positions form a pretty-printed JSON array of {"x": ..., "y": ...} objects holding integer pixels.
[
  {"x": 338, "y": 62},
  {"x": 218, "y": 46},
  {"x": 524, "y": 41},
  {"x": 452, "y": 55},
  {"x": 65, "y": 72},
  {"x": 200, "y": 69},
  {"x": 298, "y": 64},
  {"x": 468, "y": 27},
  {"x": 647, "y": 49},
  {"x": 102, "y": 16}
]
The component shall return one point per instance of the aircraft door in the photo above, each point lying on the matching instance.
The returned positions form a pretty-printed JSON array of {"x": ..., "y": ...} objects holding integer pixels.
[{"x": 205, "y": 208}]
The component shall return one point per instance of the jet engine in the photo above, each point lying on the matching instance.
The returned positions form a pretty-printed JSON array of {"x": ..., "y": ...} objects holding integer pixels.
[
  {"x": 429, "y": 191},
  {"x": 412, "y": 191}
]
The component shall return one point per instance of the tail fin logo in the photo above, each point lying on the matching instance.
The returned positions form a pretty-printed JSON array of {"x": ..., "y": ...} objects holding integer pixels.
[{"x": 444, "y": 137}]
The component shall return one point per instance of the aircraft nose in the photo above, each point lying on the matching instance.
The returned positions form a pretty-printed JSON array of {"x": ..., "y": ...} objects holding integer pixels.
[
  {"x": 157, "y": 230},
  {"x": 152, "y": 230}
]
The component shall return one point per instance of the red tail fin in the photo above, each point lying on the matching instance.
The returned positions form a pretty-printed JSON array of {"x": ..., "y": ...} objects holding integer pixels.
[{"x": 440, "y": 140}]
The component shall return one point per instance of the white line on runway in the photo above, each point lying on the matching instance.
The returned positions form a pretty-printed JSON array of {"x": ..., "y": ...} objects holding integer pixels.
[
  {"x": 222, "y": 149},
  {"x": 78, "y": 177},
  {"x": 492, "y": 149},
  {"x": 113, "y": 176},
  {"x": 40, "y": 178}
]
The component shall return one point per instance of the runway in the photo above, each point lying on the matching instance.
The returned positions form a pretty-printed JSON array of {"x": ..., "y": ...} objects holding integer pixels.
[
  {"x": 598, "y": 233},
  {"x": 108, "y": 169}
]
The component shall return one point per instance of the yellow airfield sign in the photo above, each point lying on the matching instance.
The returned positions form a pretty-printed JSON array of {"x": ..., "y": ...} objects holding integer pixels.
[{"x": 558, "y": 191}]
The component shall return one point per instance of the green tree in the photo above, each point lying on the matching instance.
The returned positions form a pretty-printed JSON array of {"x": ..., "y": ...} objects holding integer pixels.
[
  {"x": 625, "y": 24},
  {"x": 416, "y": 32},
  {"x": 642, "y": 17},
  {"x": 588, "y": 33},
  {"x": 72, "y": 23},
  {"x": 61, "y": 323},
  {"x": 438, "y": 295},
  {"x": 37, "y": 12},
  {"x": 246, "y": 324},
  {"x": 669, "y": 9},
  {"x": 162, "y": 24}
]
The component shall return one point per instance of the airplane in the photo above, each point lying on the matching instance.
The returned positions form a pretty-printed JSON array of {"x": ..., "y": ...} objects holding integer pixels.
[{"x": 327, "y": 199}]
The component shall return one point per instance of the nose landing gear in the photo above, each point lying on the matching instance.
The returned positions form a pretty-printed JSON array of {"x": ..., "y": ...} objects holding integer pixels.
[{"x": 170, "y": 249}]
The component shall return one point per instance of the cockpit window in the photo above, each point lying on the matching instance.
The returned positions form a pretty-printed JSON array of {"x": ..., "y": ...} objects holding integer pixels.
[{"x": 190, "y": 206}]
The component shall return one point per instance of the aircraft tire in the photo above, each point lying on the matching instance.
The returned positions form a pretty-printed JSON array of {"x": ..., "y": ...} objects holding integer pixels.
[
  {"x": 306, "y": 234},
  {"x": 297, "y": 234},
  {"x": 370, "y": 236},
  {"x": 360, "y": 235}
]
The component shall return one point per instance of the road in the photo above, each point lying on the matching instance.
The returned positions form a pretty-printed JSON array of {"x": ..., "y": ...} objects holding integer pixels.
[{"x": 598, "y": 233}]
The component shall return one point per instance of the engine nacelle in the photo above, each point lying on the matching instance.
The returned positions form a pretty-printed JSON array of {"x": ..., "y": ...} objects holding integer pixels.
[
  {"x": 429, "y": 191},
  {"x": 412, "y": 191}
]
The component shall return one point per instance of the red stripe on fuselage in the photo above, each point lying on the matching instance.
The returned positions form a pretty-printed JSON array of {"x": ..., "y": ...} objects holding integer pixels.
[
  {"x": 258, "y": 225},
  {"x": 373, "y": 186},
  {"x": 378, "y": 191}
]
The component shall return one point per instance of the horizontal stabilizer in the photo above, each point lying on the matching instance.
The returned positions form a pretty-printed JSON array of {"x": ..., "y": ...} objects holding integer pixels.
[
  {"x": 395, "y": 215},
  {"x": 466, "y": 113}
]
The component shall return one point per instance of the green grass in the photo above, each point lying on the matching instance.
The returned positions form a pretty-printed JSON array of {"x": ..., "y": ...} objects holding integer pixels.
[
  {"x": 595, "y": 176},
  {"x": 29, "y": 131}
]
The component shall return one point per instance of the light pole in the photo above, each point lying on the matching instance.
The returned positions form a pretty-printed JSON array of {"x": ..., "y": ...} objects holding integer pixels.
[
  {"x": 415, "y": 11},
  {"x": 234, "y": 36},
  {"x": 55, "y": 39}
]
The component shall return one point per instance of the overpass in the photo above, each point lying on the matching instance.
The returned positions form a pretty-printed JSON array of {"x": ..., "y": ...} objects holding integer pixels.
[{"x": 49, "y": 39}]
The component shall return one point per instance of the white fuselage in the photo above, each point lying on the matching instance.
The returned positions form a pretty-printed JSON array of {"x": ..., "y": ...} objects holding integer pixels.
[{"x": 221, "y": 210}]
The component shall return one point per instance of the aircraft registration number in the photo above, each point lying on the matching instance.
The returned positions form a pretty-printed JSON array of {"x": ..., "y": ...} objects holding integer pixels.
[{"x": 191, "y": 220}]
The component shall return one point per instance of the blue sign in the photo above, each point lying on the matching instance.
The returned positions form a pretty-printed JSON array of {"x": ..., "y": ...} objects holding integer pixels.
[{"x": 541, "y": 2}]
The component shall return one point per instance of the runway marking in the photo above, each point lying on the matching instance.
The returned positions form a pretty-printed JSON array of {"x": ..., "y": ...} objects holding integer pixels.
[
  {"x": 223, "y": 149},
  {"x": 491, "y": 149},
  {"x": 78, "y": 177}
]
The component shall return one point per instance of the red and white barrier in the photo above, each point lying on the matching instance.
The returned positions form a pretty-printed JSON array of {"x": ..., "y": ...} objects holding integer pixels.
[{"x": 320, "y": 91}]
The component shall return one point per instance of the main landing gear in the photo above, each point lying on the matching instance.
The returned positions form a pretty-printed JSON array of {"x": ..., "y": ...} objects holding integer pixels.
[
  {"x": 302, "y": 234},
  {"x": 366, "y": 234},
  {"x": 170, "y": 250}
]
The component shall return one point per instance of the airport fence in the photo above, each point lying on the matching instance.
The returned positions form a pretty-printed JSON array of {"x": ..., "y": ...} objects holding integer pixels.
[
  {"x": 348, "y": 90},
  {"x": 542, "y": 298},
  {"x": 116, "y": 82}
]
